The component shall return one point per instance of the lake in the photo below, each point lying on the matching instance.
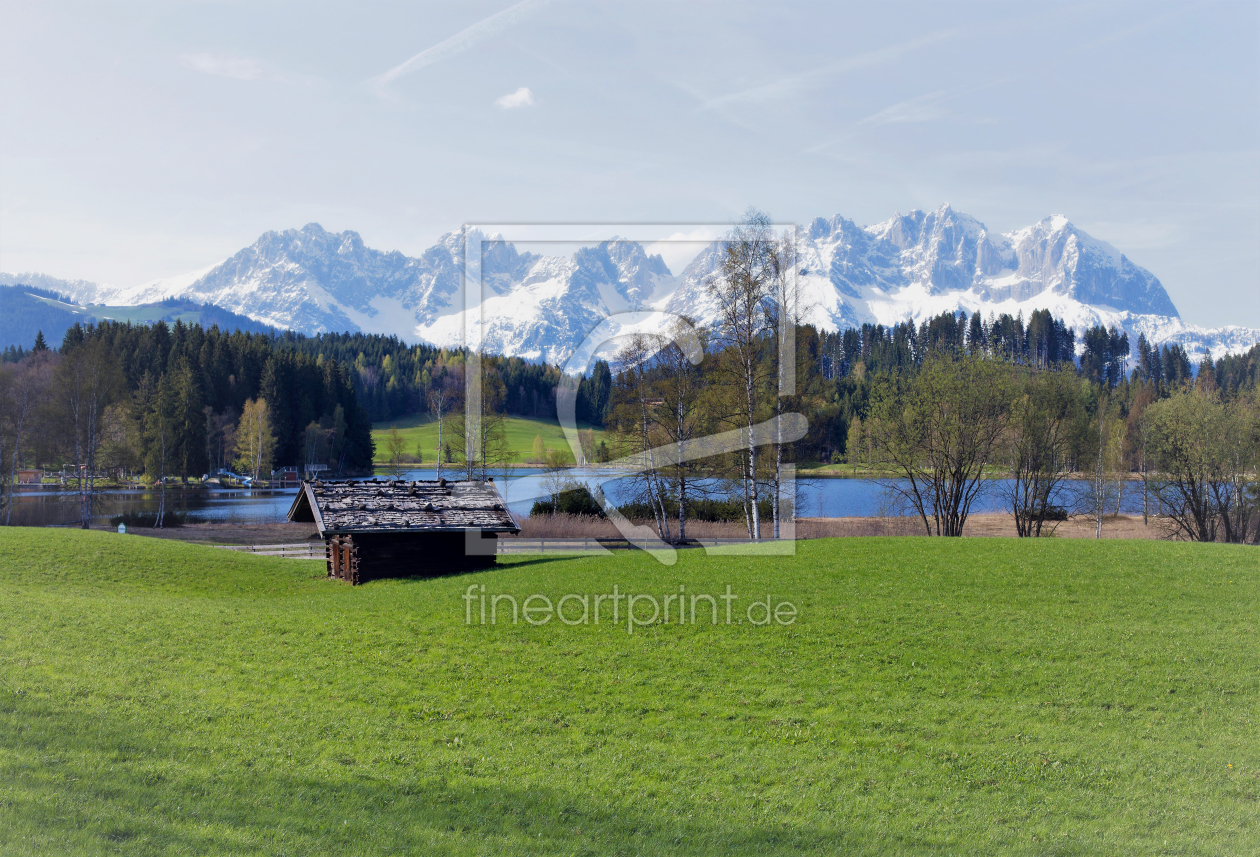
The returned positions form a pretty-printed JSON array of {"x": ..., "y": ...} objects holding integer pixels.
[{"x": 818, "y": 497}]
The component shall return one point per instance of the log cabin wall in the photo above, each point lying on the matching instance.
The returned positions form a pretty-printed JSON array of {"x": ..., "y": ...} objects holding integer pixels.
[
  {"x": 360, "y": 557},
  {"x": 342, "y": 558}
]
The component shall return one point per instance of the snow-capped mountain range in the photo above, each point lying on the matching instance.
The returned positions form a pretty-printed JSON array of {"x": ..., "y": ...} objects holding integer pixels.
[{"x": 541, "y": 306}]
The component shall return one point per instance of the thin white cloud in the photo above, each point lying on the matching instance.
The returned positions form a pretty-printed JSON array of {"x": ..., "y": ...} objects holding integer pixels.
[
  {"x": 521, "y": 98},
  {"x": 921, "y": 108},
  {"x": 461, "y": 41},
  {"x": 786, "y": 85},
  {"x": 237, "y": 68}
]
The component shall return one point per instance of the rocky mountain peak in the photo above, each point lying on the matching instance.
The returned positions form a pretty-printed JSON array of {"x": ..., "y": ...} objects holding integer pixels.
[{"x": 914, "y": 264}]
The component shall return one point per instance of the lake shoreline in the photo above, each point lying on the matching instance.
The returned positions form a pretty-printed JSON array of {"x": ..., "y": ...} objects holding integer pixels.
[{"x": 985, "y": 525}]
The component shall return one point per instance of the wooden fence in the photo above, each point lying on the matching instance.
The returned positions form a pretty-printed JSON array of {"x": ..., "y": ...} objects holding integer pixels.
[
  {"x": 315, "y": 550},
  {"x": 301, "y": 550}
]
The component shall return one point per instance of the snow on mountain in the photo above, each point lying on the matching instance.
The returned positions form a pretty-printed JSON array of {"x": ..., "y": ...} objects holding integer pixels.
[
  {"x": 921, "y": 264},
  {"x": 152, "y": 291},
  {"x": 83, "y": 292},
  {"x": 79, "y": 291},
  {"x": 316, "y": 281},
  {"x": 541, "y": 306}
]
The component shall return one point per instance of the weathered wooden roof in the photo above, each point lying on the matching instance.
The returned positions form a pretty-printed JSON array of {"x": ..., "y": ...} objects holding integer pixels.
[{"x": 399, "y": 506}]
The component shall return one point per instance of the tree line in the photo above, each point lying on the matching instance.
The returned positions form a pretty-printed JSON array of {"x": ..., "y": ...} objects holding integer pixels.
[
  {"x": 945, "y": 405},
  {"x": 122, "y": 401},
  {"x": 946, "y": 419},
  {"x": 393, "y": 379}
]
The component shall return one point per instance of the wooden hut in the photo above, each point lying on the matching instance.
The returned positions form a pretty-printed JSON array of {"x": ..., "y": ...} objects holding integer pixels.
[{"x": 396, "y": 528}]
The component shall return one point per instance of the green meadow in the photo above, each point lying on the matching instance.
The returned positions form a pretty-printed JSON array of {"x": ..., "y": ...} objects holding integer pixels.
[
  {"x": 140, "y": 314},
  {"x": 422, "y": 429},
  {"x": 931, "y": 696}
]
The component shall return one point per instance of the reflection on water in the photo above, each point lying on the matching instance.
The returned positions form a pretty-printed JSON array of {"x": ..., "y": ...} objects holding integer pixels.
[
  {"x": 819, "y": 497},
  {"x": 822, "y": 497},
  {"x": 43, "y": 507}
]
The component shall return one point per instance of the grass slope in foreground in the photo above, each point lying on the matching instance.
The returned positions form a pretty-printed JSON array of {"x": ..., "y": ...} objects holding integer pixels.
[
  {"x": 934, "y": 696},
  {"x": 521, "y": 432}
]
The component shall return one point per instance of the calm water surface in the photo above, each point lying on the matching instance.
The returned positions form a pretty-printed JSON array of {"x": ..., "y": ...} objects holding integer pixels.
[{"x": 818, "y": 497}]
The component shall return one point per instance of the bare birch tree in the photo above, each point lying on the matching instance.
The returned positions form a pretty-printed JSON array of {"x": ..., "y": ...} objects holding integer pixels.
[
  {"x": 742, "y": 289},
  {"x": 442, "y": 398},
  {"x": 786, "y": 310},
  {"x": 87, "y": 382},
  {"x": 1097, "y": 494},
  {"x": 637, "y": 406},
  {"x": 680, "y": 387}
]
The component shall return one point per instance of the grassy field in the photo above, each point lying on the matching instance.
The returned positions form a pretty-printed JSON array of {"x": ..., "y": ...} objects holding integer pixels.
[
  {"x": 147, "y": 314},
  {"x": 521, "y": 432},
  {"x": 931, "y": 697},
  {"x": 144, "y": 314}
]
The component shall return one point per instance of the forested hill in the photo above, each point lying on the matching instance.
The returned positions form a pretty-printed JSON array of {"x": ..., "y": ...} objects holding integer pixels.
[
  {"x": 202, "y": 379},
  {"x": 26, "y": 311}
]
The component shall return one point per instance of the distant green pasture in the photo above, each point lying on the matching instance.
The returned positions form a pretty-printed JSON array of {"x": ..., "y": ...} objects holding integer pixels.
[{"x": 521, "y": 431}]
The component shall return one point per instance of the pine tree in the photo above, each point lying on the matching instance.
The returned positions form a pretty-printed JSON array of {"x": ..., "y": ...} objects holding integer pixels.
[
  {"x": 975, "y": 335},
  {"x": 189, "y": 428},
  {"x": 40, "y": 343}
]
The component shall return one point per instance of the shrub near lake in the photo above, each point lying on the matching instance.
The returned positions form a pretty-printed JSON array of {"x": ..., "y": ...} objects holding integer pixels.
[{"x": 931, "y": 696}]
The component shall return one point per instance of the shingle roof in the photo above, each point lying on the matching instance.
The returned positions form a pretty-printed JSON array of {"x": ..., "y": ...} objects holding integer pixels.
[{"x": 398, "y": 506}]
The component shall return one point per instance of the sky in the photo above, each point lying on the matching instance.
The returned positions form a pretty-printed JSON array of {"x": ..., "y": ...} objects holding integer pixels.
[{"x": 144, "y": 140}]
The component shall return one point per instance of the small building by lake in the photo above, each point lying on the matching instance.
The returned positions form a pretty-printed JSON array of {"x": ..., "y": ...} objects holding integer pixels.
[{"x": 397, "y": 528}]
